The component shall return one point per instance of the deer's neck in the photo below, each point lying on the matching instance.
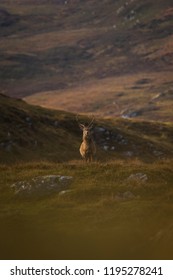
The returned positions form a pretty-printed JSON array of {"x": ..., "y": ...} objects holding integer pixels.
[{"x": 87, "y": 140}]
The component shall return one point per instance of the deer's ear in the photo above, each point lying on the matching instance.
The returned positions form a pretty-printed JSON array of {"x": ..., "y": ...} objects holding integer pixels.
[{"x": 81, "y": 126}]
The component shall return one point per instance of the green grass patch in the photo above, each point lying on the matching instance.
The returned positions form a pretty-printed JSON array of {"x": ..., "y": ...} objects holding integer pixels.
[{"x": 93, "y": 220}]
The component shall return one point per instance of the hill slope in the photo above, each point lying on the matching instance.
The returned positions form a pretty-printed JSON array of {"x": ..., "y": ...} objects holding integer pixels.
[
  {"x": 34, "y": 133},
  {"x": 106, "y": 57},
  {"x": 119, "y": 207},
  {"x": 107, "y": 214}
]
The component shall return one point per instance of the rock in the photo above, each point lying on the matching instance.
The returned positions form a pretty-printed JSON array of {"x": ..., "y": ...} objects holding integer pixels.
[
  {"x": 119, "y": 137},
  {"x": 28, "y": 119},
  {"x": 107, "y": 132},
  {"x": 7, "y": 145},
  {"x": 128, "y": 195},
  {"x": 138, "y": 177},
  {"x": 121, "y": 140},
  {"x": 56, "y": 123},
  {"x": 8, "y": 148},
  {"x": 64, "y": 192},
  {"x": 124, "y": 141},
  {"x": 99, "y": 129},
  {"x": 42, "y": 185},
  {"x": 132, "y": 114},
  {"x": 120, "y": 10},
  {"x": 128, "y": 154},
  {"x": 143, "y": 81},
  {"x": 158, "y": 153},
  {"x": 157, "y": 96},
  {"x": 124, "y": 196}
]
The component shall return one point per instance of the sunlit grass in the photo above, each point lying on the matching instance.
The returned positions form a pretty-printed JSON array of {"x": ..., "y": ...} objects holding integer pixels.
[{"x": 90, "y": 221}]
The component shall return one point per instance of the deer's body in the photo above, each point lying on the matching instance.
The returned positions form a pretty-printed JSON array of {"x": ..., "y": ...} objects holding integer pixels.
[{"x": 88, "y": 147}]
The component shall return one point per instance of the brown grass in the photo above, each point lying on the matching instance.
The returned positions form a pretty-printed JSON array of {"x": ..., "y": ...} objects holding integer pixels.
[
  {"x": 109, "y": 96},
  {"x": 92, "y": 221}
]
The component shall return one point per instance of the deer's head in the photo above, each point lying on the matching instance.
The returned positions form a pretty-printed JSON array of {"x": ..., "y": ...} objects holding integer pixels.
[{"x": 86, "y": 129}]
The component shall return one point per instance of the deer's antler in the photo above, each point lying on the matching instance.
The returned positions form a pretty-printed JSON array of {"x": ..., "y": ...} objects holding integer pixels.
[
  {"x": 80, "y": 124},
  {"x": 91, "y": 123}
]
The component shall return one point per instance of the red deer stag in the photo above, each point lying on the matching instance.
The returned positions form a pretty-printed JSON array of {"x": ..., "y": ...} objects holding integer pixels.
[{"x": 87, "y": 148}]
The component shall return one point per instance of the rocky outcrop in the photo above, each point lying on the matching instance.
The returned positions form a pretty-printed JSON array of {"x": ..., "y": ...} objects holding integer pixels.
[{"x": 42, "y": 185}]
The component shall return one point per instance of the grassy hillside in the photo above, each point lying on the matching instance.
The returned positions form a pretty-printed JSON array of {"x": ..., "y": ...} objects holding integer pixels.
[
  {"x": 107, "y": 57},
  {"x": 33, "y": 133},
  {"x": 118, "y": 207},
  {"x": 107, "y": 214}
]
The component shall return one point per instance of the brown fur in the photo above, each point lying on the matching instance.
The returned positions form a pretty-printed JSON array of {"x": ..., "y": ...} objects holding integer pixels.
[{"x": 87, "y": 148}]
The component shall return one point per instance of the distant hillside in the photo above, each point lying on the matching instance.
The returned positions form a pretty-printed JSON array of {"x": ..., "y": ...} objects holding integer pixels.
[
  {"x": 31, "y": 133},
  {"x": 110, "y": 58}
]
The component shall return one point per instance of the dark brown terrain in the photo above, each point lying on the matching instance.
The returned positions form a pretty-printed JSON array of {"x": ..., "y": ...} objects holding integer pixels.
[{"x": 109, "y": 58}]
